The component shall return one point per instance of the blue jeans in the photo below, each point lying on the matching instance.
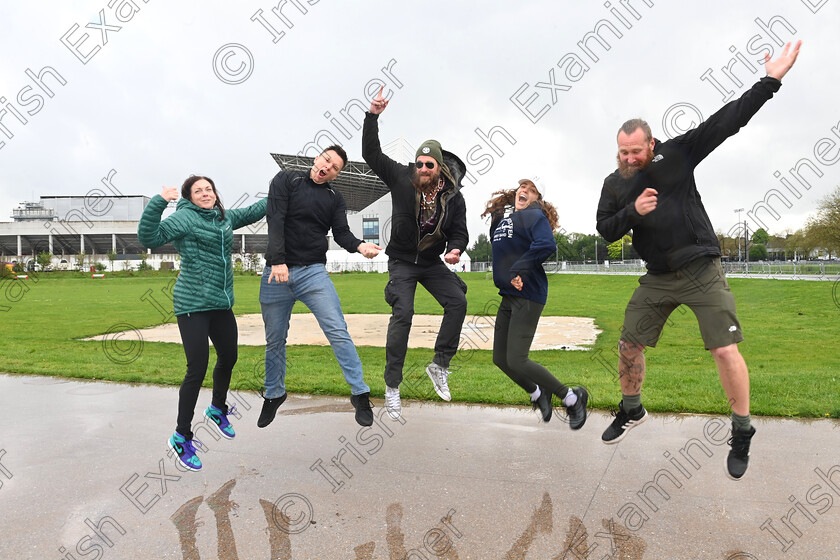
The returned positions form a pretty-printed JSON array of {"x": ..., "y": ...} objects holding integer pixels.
[{"x": 312, "y": 285}]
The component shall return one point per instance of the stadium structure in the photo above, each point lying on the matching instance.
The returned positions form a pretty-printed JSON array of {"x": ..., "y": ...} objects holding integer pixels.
[{"x": 68, "y": 226}]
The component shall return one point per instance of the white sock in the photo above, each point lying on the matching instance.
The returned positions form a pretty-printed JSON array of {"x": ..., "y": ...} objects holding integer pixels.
[
  {"x": 536, "y": 394},
  {"x": 570, "y": 399}
]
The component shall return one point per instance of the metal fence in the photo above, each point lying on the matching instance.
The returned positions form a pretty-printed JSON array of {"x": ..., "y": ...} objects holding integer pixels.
[{"x": 807, "y": 270}]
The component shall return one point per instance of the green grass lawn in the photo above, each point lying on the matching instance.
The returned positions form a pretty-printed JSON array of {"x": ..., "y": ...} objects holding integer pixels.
[{"x": 790, "y": 328}]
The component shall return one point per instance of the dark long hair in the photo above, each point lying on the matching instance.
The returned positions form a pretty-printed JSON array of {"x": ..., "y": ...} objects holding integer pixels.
[{"x": 186, "y": 191}]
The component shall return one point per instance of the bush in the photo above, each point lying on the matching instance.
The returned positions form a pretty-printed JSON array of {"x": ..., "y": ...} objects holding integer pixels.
[{"x": 758, "y": 252}]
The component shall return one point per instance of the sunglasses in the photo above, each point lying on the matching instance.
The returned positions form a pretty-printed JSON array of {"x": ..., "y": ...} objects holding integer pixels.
[{"x": 429, "y": 164}]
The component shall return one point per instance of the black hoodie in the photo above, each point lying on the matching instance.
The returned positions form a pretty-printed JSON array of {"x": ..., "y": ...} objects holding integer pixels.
[
  {"x": 300, "y": 212},
  {"x": 405, "y": 242},
  {"x": 678, "y": 230}
]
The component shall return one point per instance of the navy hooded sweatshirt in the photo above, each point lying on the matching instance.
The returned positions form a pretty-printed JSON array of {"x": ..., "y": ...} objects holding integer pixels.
[{"x": 521, "y": 243}]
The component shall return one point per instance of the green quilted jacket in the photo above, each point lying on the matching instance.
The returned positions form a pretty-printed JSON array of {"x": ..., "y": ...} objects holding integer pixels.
[{"x": 205, "y": 242}]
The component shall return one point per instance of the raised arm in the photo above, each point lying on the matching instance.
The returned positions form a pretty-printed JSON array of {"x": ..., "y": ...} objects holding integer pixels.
[
  {"x": 386, "y": 168},
  {"x": 729, "y": 119},
  {"x": 241, "y": 217},
  {"x": 151, "y": 231},
  {"x": 779, "y": 67}
]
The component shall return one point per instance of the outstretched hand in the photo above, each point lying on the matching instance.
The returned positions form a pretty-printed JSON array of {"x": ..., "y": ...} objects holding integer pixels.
[
  {"x": 369, "y": 250},
  {"x": 379, "y": 103},
  {"x": 779, "y": 67}
]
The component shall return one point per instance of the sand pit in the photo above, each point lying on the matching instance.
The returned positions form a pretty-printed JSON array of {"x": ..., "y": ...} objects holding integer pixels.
[{"x": 553, "y": 333}]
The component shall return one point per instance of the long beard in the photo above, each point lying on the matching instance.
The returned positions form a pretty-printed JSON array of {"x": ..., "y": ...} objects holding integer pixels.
[
  {"x": 425, "y": 183},
  {"x": 626, "y": 170}
]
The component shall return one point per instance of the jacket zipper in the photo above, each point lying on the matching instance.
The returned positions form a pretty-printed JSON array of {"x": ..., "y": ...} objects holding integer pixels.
[{"x": 225, "y": 263}]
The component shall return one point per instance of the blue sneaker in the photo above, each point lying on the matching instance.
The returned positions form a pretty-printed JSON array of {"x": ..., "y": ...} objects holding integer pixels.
[
  {"x": 220, "y": 420},
  {"x": 185, "y": 451}
]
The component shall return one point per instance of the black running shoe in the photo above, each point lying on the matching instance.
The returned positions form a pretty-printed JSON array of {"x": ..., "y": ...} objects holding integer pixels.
[
  {"x": 623, "y": 423},
  {"x": 577, "y": 412},
  {"x": 543, "y": 403},
  {"x": 364, "y": 411},
  {"x": 269, "y": 410},
  {"x": 739, "y": 455}
]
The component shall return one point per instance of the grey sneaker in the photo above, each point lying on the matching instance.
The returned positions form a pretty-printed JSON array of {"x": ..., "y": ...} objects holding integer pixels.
[
  {"x": 392, "y": 402},
  {"x": 439, "y": 376}
]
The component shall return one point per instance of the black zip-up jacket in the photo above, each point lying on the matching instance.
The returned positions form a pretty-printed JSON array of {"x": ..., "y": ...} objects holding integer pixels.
[
  {"x": 678, "y": 230},
  {"x": 299, "y": 213},
  {"x": 405, "y": 242}
]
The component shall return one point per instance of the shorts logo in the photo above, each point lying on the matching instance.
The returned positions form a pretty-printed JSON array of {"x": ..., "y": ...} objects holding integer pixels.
[{"x": 733, "y": 328}]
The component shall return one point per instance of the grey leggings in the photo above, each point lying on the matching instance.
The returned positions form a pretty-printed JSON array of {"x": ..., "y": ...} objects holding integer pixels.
[{"x": 516, "y": 323}]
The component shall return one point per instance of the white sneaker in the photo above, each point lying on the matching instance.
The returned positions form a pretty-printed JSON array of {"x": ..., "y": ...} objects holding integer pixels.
[
  {"x": 438, "y": 376},
  {"x": 392, "y": 402}
]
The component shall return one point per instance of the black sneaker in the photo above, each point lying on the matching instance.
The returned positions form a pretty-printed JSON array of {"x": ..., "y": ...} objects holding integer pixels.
[
  {"x": 269, "y": 410},
  {"x": 577, "y": 412},
  {"x": 543, "y": 403},
  {"x": 623, "y": 423},
  {"x": 739, "y": 455},
  {"x": 364, "y": 411}
]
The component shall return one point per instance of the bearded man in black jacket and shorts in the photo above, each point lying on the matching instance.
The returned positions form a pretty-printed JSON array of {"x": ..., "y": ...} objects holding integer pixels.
[
  {"x": 428, "y": 218},
  {"x": 653, "y": 192}
]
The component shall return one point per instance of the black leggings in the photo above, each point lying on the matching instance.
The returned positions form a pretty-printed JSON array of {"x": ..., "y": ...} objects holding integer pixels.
[
  {"x": 220, "y": 327},
  {"x": 516, "y": 323}
]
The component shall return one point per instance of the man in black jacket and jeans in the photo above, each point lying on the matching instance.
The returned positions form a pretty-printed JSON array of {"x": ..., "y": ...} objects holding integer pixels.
[
  {"x": 428, "y": 217},
  {"x": 653, "y": 192},
  {"x": 302, "y": 207}
]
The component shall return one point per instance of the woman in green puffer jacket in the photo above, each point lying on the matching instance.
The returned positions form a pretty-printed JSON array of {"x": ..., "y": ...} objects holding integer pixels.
[{"x": 202, "y": 232}]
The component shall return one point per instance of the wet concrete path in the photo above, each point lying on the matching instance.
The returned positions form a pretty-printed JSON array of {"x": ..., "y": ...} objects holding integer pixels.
[{"x": 85, "y": 474}]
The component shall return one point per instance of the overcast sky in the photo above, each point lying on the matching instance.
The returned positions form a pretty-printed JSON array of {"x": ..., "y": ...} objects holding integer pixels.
[{"x": 212, "y": 87}]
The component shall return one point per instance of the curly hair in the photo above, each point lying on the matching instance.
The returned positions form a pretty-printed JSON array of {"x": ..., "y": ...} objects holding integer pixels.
[{"x": 504, "y": 198}]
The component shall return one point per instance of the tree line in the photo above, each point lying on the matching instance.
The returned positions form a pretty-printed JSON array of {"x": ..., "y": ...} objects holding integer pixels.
[{"x": 820, "y": 237}]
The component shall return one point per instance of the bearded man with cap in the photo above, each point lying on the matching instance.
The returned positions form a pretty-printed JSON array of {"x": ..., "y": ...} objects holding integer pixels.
[{"x": 428, "y": 218}]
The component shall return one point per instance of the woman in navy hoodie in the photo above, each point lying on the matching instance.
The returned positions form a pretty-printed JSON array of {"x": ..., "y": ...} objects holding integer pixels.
[{"x": 521, "y": 241}]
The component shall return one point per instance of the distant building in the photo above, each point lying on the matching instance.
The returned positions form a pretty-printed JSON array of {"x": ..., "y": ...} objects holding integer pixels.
[{"x": 67, "y": 226}]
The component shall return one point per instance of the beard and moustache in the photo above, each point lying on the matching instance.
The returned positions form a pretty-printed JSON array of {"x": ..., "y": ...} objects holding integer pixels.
[
  {"x": 425, "y": 181},
  {"x": 627, "y": 171}
]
